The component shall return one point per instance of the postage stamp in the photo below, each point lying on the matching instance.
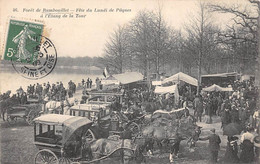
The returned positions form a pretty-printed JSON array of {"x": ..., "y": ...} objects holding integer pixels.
[
  {"x": 33, "y": 55},
  {"x": 21, "y": 41}
]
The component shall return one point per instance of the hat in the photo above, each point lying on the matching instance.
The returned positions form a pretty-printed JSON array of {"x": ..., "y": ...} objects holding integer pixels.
[
  {"x": 257, "y": 141},
  {"x": 213, "y": 130}
]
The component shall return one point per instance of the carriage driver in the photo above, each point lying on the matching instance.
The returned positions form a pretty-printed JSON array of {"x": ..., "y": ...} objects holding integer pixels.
[{"x": 86, "y": 152}]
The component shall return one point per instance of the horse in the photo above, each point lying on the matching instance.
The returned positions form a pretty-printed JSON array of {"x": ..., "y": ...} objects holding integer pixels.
[
  {"x": 102, "y": 148},
  {"x": 6, "y": 104},
  {"x": 150, "y": 107},
  {"x": 61, "y": 107},
  {"x": 167, "y": 131}
]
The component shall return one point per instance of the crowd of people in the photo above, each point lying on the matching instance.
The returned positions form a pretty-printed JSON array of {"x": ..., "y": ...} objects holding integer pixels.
[
  {"x": 55, "y": 91},
  {"x": 238, "y": 107},
  {"x": 87, "y": 83}
]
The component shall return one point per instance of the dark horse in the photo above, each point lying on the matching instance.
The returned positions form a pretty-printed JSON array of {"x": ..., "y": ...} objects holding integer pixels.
[
  {"x": 150, "y": 107},
  {"x": 7, "y": 103},
  {"x": 169, "y": 132}
]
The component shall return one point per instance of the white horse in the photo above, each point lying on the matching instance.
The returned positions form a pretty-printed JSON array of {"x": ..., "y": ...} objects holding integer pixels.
[{"x": 56, "y": 106}]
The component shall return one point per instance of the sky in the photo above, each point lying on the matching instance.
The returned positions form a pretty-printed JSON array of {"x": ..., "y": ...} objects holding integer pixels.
[{"x": 79, "y": 37}]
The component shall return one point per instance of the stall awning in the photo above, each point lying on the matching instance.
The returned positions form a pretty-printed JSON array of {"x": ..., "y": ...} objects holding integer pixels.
[
  {"x": 220, "y": 75},
  {"x": 216, "y": 88},
  {"x": 128, "y": 77},
  {"x": 156, "y": 82},
  {"x": 169, "y": 89},
  {"x": 181, "y": 77},
  {"x": 163, "y": 90}
]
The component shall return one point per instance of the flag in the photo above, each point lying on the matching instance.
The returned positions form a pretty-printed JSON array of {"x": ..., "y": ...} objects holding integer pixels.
[{"x": 105, "y": 72}]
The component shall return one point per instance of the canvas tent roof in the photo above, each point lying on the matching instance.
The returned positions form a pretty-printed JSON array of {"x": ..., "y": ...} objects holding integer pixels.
[
  {"x": 163, "y": 90},
  {"x": 169, "y": 89},
  {"x": 246, "y": 77},
  {"x": 215, "y": 87},
  {"x": 220, "y": 75},
  {"x": 128, "y": 77},
  {"x": 156, "y": 82},
  {"x": 181, "y": 77}
]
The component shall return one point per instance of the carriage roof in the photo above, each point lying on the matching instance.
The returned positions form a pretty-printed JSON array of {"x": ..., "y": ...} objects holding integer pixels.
[
  {"x": 70, "y": 124},
  {"x": 88, "y": 107},
  {"x": 64, "y": 120}
]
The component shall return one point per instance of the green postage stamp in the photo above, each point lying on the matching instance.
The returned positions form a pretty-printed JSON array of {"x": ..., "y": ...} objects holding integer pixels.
[{"x": 21, "y": 40}]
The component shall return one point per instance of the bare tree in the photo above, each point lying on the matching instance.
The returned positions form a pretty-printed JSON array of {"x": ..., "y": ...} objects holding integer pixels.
[
  {"x": 161, "y": 41},
  {"x": 200, "y": 40},
  {"x": 245, "y": 29},
  {"x": 117, "y": 50}
]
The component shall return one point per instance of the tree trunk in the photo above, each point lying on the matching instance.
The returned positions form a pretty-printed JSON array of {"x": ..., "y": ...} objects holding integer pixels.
[
  {"x": 257, "y": 72},
  {"x": 199, "y": 74}
]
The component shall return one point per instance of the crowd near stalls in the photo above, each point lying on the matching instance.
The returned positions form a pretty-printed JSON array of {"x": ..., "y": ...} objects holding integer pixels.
[
  {"x": 236, "y": 106},
  {"x": 233, "y": 102}
]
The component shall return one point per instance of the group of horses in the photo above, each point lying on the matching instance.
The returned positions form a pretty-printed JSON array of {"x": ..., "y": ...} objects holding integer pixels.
[
  {"x": 50, "y": 106},
  {"x": 162, "y": 128},
  {"x": 60, "y": 107}
]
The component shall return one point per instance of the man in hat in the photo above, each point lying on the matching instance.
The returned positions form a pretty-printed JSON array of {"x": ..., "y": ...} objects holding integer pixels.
[
  {"x": 214, "y": 141},
  {"x": 226, "y": 118},
  {"x": 234, "y": 114},
  {"x": 247, "y": 146}
]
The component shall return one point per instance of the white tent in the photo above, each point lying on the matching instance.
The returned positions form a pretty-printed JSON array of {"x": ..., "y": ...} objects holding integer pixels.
[
  {"x": 110, "y": 81},
  {"x": 169, "y": 89},
  {"x": 217, "y": 88},
  {"x": 181, "y": 77},
  {"x": 156, "y": 82},
  {"x": 246, "y": 77},
  {"x": 128, "y": 77}
]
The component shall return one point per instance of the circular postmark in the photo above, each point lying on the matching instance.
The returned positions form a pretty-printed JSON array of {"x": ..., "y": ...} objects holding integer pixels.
[{"x": 41, "y": 61}]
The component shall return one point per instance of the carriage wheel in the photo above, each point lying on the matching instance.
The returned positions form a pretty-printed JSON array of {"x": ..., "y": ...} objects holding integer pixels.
[
  {"x": 89, "y": 135},
  {"x": 46, "y": 156},
  {"x": 11, "y": 119},
  {"x": 30, "y": 117},
  {"x": 64, "y": 160},
  {"x": 134, "y": 128}
]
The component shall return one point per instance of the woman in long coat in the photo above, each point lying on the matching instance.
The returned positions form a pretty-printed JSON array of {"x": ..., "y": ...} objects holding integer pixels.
[
  {"x": 209, "y": 112},
  {"x": 231, "y": 150},
  {"x": 247, "y": 146}
]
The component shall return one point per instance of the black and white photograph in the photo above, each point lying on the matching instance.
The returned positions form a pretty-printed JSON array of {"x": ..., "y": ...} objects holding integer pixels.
[{"x": 129, "y": 81}]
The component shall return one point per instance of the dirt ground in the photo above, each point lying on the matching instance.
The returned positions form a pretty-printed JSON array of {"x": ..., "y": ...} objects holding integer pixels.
[{"x": 17, "y": 146}]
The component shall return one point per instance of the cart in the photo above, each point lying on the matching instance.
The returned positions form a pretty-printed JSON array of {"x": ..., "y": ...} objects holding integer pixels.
[
  {"x": 98, "y": 113},
  {"x": 59, "y": 137},
  {"x": 106, "y": 122},
  {"x": 27, "y": 112}
]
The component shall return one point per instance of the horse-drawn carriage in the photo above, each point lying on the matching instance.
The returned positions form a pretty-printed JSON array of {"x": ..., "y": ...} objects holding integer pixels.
[
  {"x": 105, "y": 98},
  {"x": 58, "y": 137},
  {"x": 27, "y": 112},
  {"x": 12, "y": 109},
  {"x": 106, "y": 122},
  {"x": 63, "y": 139}
]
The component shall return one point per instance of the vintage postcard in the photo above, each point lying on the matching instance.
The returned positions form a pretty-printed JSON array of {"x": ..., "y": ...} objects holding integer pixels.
[{"x": 133, "y": 81}]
